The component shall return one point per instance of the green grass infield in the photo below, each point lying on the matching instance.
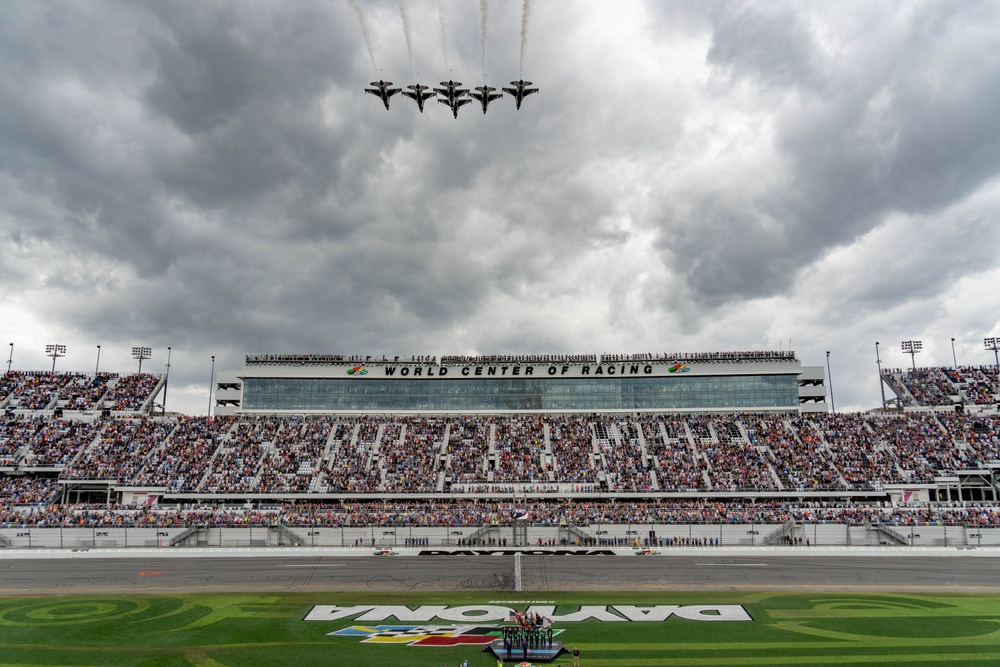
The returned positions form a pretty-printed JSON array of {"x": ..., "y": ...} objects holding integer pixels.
[{"x": 241, "y": 630}]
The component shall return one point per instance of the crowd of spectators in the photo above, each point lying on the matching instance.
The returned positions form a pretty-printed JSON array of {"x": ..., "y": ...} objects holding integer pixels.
[
  {"x": 34, "y": 390},
  {"x": 350, "y": 467},
  {"x": 120, "y": 450},
  {"x": 795, "y": 457},
  {"x": 465, "y": 512},
  {"x": 50, "y": 443},
  {"x": 184, "y": 458},
  {"x": 978, "y": 384},
  {"x": 28, "y": 490},
  {"x": 674, "y": 459},
  {"x": 620, "y": 446},
  {"x": 519, "y": 449},
  {"x": 973, "y": 385},
  {"x": 468, "y": 444},
  {"x": 294, "y": 455},
  {"x": 83, "y": 392},
  {"x": 610, "y": 453},
  {"x": 130, "y": 393},
  {"x": 412, "y": 461},
  {"x": 572, "y": 443},
  {"x": 520, "y": 358},
  {"x": 335, "y": 359}
]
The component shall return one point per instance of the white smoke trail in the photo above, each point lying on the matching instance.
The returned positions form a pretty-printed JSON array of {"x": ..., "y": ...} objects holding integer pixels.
[
  {"x": 404, "y": 14},
  {"x": 444, "y": 43},
  {"x": 484, "y": 10},
  {"x": 364, "y": 31},
  {"x": 525, "y": 15}
]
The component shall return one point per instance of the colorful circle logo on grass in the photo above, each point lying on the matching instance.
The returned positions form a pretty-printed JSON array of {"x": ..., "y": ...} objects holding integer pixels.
[
  {"x": 679, "y": 368},
  {"x": 357, "y": 370}
]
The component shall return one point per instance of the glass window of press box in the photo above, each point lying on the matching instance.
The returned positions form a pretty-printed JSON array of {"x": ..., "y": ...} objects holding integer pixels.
[{"x": 761, "y": 392}]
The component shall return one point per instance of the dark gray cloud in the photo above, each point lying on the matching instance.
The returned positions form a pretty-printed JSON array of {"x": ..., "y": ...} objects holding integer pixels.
[{"x": 212, "y": 177}]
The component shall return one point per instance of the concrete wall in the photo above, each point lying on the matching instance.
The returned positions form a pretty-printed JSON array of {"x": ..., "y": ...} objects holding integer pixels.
[{"x": 389, "y": 536}]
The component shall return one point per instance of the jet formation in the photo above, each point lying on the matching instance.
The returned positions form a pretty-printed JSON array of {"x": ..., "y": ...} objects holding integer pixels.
[{"x": 452, "y": 94}]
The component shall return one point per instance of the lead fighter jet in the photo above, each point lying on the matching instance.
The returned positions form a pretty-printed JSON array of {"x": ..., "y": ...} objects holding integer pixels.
[
  {"x": 486, "y": 95},
  {"x": 419, "y": 94},
  {"x": 383, "y": 91},
  {"x": 453, "y": 96},
  {"x": 455, "y": 103},
  {"x": 451, "y": 91},
  {"x": 520, "y": 90}
]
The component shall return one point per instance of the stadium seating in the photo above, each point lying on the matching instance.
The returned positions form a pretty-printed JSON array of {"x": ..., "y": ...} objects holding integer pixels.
[{"x": 563, "y": 467}]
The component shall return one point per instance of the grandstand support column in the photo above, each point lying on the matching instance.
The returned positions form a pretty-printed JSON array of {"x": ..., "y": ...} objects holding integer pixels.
[{"x": 881, "y": 384}]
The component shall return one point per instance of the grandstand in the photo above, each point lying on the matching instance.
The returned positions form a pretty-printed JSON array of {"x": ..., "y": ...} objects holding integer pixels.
[{"x": 80, "y": 449}]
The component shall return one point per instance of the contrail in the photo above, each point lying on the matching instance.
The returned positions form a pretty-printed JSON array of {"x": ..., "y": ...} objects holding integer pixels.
[
  {"x": 525, "y": 15},
  {"x": 404, "y": 13},
  {"x": 484, "y": 9},
  {"x": 444, "y": 45},
  {"x": 364, "y": 31}
]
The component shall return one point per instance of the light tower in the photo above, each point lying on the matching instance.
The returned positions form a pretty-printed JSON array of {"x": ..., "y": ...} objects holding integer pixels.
[
  {"x": 166, "y": 381},
  {"x": 141, "y": 353},
  {"x": 912, "y": 347},
  {"x": 881, "y": 383},
  {"x": 829, "y": 383},
  {"x": 211, "y": 382},
  {"x": 55, "y": 351},
  {"x": 993, "y": 344}
]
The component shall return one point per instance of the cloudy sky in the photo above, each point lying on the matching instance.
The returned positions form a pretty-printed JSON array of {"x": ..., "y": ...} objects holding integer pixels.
[{"x": 701, "y": 176}]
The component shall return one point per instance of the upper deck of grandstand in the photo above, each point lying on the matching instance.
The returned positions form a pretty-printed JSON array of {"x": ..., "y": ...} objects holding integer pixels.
[
  {"x": 37, "y": 391},
  {"x": 943, "y": 386}
]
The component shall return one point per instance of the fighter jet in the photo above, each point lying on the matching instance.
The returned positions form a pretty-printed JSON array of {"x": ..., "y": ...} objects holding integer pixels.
[
  {"x": 520, "y": 90},
  {"x": 486, "y": 95},
  {"x": 419, "y": 94},
  {"x": 455, "y": 103},
  {"x": 451, "y": 91},
  {"x": 383, "y": 91}
]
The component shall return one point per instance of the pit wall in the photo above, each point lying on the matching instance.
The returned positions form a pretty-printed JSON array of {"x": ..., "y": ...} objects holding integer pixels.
[{"x": 729, "y": 535}]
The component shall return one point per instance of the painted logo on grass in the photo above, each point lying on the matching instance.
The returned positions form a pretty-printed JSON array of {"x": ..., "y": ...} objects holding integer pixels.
[
  {"x": 483, "y": 615},
  {"x": 422, "y": 635}
]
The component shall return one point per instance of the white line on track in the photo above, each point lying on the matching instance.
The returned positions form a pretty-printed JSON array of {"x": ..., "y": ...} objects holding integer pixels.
[
  {"x": 733, "y": 564},
  {"x": 337, "y": 565}
]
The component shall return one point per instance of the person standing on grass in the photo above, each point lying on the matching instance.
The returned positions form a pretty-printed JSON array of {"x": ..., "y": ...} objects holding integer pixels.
[{"x": 576, "y": 657}]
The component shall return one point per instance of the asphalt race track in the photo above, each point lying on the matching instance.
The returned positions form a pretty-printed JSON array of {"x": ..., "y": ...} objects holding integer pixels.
[{"x": 718, "y": 569}]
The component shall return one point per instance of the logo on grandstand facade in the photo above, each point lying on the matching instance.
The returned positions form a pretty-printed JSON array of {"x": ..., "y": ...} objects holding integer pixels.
[
  {"x": 357, "y": 370},
  {"x": 678, "y": 368}
]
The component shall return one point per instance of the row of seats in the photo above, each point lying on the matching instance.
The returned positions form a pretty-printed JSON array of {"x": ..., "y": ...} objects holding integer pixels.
[
  {"x": 931, "y": 387},
  {"x": 614, "y": 453},
  {"x": 465, "y": 512},
  {"x": 83, "y": 392}
]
